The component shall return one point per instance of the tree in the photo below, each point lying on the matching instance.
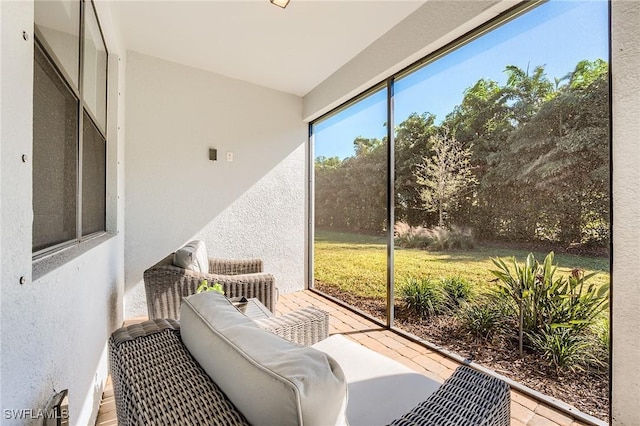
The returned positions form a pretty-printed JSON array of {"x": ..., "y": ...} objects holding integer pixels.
[
  {"x": 526, "y": 93},
  {"x": 562, "y": 156},
  {"x": 533, "y": 163},
  {"x": 411, "y": 145},
  {"x": 363, "y": 192},
  {"x": 446, "y": 177},
  {"x": 351, "y": 193},
  {"x": 328, "y": 176},
  {"x": 510, "y": 207},
  {"x": 483, "y": 122}
]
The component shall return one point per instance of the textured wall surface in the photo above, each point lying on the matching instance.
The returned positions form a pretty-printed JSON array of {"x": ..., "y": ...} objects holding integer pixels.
[
  {"x": 625, "y": 66},
  {"x": 251, "y": 207},
  {"x": 53, "y": 329}
]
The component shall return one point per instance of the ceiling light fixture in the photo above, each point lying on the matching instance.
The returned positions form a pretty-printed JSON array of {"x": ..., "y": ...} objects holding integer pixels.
[{"x": 280, "y": 3}]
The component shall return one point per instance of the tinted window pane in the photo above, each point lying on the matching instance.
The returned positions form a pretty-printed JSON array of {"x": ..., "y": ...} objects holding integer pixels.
[
  {"x": 59, "y": 24},
  {"x": 94, "y": 89},
  {"x": 93, "y": 178},
  {"x": 55, "y": 121}
]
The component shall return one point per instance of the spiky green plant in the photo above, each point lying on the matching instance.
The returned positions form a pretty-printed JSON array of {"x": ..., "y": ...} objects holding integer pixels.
[
  {"x": 457, "y": 290},
  {"x": 563, "y": 348},
  {"x": 541, "y": 301},
  {"x": 423, "y": 296},
  {"x": 483, "y": 319}
]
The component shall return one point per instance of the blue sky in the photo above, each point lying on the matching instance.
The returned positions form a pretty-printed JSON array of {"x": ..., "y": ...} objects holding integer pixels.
[{"x": 557, "y": 34}]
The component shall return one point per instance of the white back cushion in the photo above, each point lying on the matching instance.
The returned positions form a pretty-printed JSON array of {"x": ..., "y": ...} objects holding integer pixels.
[
  {"x": 192, "y": 256},
  {"x": 269, "y": 379}
]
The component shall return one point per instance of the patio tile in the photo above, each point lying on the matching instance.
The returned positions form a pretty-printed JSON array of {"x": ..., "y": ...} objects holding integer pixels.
[
  {"x": 524, "y": 400},
  {"x": 538, "y": 420},
  {"x": 390, "y": 353},
  {"x": 375, "y": 345},
  {"x": 521, "y": 413},
  {"x": 554, "y": 415},
  {"x": 408, "y": 352},
  {"x": 411, "y": 364},
  {"x": 429, "y": 364},
  {"x": 446, "y": 373},
  {"x": 418, "y": 348},
  {"x": 106, "y": 420},
  {"x": 339, "y": 327},
  {"x": 357, "y": 336},
  {"x": 390, "y": 343},
  {"x": 449, "y": 363}
]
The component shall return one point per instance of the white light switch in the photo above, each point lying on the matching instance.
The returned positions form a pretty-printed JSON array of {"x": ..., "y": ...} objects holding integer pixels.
[{"x": 229, "y": 156}]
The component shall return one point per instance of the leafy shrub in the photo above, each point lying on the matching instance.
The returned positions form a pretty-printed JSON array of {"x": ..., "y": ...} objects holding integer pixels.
[
  {"x": 439, "y": 238},
  {"x": 543, "y": 304},
  {"x": 600, "y": 344},
  {"x": 436, "y": 238},
  {"x": 548, "y": 301},
  {"x": 457, "y": 291},
  {"x": 601, "y": 331},
  {"x": 410, "y": 236},
  {"x": 563, "y": 348},
  {"x": 449, "y": 239},
  {"x": 483, "y": 319},
  {"x": 423, "y": 296},
  {"x": 461, "y": 238}
]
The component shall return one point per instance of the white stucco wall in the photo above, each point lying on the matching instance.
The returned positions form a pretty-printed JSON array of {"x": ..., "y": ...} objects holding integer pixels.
[
  {"x": 625, "y": 66},
  {"x": 251, "y": 207},
  {"x": 55, "y": 326},
  {"x": 429, "y": 28}
]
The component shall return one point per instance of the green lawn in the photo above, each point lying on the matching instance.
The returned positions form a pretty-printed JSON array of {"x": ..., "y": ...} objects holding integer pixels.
[{"x": 357, "y": 263}]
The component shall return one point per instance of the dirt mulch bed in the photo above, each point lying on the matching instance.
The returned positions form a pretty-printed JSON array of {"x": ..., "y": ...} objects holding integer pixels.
[{"x": 587, "y": 391}]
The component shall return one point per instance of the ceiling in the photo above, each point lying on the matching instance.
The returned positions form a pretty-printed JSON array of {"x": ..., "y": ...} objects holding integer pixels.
[{"x": 291, "y": 50}]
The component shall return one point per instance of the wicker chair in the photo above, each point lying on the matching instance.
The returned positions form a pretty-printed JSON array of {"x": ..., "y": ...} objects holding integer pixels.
[
  {"x": 166, "y": 284},
  {"x": 157, "y": 381}
]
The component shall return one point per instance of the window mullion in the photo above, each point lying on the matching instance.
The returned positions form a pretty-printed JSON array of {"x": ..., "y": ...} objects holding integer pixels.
[
  {"x": 80, "y": 124},
  {"x": 390, "y": 203}
]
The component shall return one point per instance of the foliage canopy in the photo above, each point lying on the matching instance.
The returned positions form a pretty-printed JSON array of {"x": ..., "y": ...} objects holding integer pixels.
[{"x": 533, "y": 163}]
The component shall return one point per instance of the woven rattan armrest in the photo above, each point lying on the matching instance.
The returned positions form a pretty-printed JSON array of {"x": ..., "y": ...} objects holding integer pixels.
[
  {"x": 234, "y": 267},
  {"x": 261, "y": 286},
  {"x": 468, "y": 397},
  {"x": 305, "y": 326},
  {"x": 156, "y": 381}
]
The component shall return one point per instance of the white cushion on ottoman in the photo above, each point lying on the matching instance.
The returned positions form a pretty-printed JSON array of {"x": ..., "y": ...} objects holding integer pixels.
[
  {"x": 269, "y": 379},
  {"x": 380, "y": 389}
]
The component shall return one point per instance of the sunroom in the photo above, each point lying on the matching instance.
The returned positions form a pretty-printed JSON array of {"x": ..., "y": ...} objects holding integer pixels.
[{"x": 205, "y": 120}]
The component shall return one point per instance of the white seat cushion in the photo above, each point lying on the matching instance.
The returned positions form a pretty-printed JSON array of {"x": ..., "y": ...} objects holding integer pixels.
[
  {"x": 269, "y": 379},
  {"x": 192, "y": 256},
  {"x": 380, "y": 389}
]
